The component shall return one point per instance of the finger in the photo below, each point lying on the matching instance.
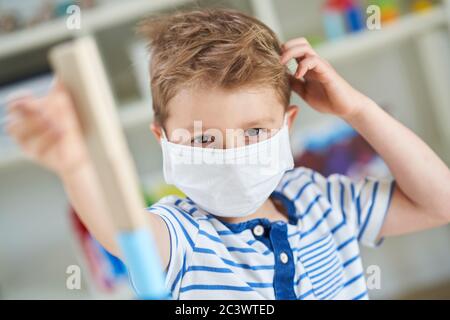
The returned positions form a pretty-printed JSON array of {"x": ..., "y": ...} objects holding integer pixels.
[
  {"x": 306, "y": 65},
  {"x": 22, "y": 132},
  {"x": 298, "y": 52},
  {"x": 15, "y": 100},
  {"x": 23, "y": 127},
  {"x": 294, "y": 42},
  {"x": 39, "y": 145},
  {"x": 17, "y": 96},
  {"x": 314, "y": 68},
  {"x": 298, "y": 86},
  {"x": 7, "y": 119},
  {"x": 26, "y": 106},
  {"x": 59, "y": 102},
  {"x": 36, "y": 108}
]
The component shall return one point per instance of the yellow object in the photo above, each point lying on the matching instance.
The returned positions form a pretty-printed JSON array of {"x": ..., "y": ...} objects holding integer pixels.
[
  {"x": 389, "y": 14},
  {"x": 421, "y": 5},
  {"x": 166, "y": 190}
]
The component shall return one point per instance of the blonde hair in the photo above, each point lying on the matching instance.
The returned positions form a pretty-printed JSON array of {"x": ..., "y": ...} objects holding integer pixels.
[{"x": 211, "y": 47}]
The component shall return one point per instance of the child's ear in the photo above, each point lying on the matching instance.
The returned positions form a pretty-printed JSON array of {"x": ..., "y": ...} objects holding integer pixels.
[
  {"x": 291, "y": 113},
  {"x": 156, "y": 129}
]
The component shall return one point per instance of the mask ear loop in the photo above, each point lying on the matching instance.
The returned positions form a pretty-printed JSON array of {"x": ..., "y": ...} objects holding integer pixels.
[
  {"x": 285, "y": 121},
  {"x": 163, "y": 135}
]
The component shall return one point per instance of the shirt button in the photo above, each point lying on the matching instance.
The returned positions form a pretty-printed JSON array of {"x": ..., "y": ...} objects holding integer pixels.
[
  {"x": 284, "y": 257},
  {"x": 258, "y": 230}
]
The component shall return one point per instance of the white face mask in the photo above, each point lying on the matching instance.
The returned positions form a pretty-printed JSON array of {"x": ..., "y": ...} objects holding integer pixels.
[{"x": 231, "y": 182}]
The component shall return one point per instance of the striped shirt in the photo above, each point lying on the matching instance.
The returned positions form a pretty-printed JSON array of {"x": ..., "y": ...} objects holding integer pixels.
[{"x": 315, "y": 255}]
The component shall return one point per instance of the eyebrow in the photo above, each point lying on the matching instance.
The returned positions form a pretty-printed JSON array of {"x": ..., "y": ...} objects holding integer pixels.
[
  {"x": 250, "y": 124},
  {"x": 258, "y": 122}
]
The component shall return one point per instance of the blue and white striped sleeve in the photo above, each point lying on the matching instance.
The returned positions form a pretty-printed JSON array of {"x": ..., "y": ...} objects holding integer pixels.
[
  {"x": 364, "y": 204},
  {"x": 183, "y": 230}
]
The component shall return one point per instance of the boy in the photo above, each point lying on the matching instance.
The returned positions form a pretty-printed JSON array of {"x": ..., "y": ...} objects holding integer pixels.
[{"x": 248, "y": 229}]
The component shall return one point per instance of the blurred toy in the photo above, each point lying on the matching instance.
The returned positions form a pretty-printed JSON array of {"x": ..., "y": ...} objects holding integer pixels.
[
  {"x": 79, "y": 61},
  {"x": 421, "y": 5},
  {"x": 341, "y": 17},
  {"x": 61, "y": 7},
  {"x": 389, "y": 9},
  {"x": 40, "y": 12},
  {"x": 44, "y": 13},
  {"x": 86, "y": 4},
  {"x": 107, "y": 271},
  {"x": 315, "y": 39},
  {"x": 109, "y": 274},
  {"x": 333, "y": 19},
  {"x": 337, "y": 148},
  {"x": 354, "y": 16},
  {"x": 158, "y": 190},
  {"x": 8, "y": 22},
  {"x": 164, "y": 190}
]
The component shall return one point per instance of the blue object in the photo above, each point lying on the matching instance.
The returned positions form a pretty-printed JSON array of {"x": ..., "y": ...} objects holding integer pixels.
[
  {"x": 143, "y": 263},
  {"x": 318, "y": 141},
  {"x": 284, "y": 275},
  {"x": 117, "y": 267},
  {"x": 61, "y": 7},
  {"x": 334, "y": 24},
  {"x": 354, "y": 17}
]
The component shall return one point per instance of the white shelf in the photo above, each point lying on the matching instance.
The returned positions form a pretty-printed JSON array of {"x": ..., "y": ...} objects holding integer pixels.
[
  {"x": 367, "y": 41},
  {"x": 101, "y": 17}
]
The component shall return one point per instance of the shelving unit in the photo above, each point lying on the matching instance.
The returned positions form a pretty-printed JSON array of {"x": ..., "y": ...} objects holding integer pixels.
[
  {"x": 139, "y": 112},
  {"x": 93, "y": 20},
  {"x": 405, "y": 28}
]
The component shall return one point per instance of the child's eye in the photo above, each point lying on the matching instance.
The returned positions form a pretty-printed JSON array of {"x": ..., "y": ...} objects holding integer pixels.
[
  {"x": 202, "y": 139},
  {"x": 253, "y": 132},
  {"x": 254, "y": 135}
]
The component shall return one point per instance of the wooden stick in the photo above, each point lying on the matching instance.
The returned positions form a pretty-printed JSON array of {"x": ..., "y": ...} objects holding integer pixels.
[{"x": 79, "y": 67}]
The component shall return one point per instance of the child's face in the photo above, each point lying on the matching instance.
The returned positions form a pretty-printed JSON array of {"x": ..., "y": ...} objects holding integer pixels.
[{"x": 215, "y": 117}]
